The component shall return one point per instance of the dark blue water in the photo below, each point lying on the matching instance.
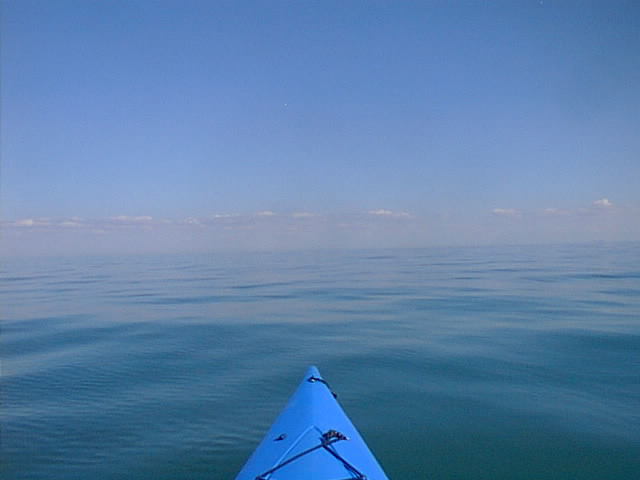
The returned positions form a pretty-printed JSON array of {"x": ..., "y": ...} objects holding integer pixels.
[{"x": 477, "y": 363}]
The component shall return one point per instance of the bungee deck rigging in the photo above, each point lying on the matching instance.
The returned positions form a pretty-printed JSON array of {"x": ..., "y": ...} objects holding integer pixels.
[{"x": 328, "y": 438}]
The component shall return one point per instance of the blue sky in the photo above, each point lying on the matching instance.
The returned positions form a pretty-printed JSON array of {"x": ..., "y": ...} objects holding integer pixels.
[{"x": 203, "y": 125}]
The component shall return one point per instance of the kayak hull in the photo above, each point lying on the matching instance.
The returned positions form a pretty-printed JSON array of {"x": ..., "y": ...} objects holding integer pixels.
[{"x": 312, "y": 439}]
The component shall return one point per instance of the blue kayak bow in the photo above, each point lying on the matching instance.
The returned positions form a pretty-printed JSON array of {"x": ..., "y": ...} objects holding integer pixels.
[{"x": 312, "y": 439}]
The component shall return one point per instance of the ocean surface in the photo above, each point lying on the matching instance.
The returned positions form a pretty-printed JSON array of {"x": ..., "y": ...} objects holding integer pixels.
[{"x": 454, "y": 363}]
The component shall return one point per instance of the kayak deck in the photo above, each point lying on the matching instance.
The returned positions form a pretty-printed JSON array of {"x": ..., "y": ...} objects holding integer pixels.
[{"x": 312, "y": 439}]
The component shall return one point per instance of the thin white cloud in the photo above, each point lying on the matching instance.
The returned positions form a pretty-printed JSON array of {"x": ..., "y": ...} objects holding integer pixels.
[
  {"x": 382, "y": 212},
  {"x": 304, "y": 215},
  {"x": 506, "y": 212},
  {"x": 190, "y": 221},
  {"x": 217, "y": 218},
  {"x": 132, "y": 220},
  {"x": 603, "y": 203},
  {"x": 599, "y": 207},
  {"x": 27, "y": 222},
  {"x": 32, "y": 222},
  {"x": 71, "y": 223},
  {"x": 265, "y": 213},
  {"x": 556, "y": 211}
]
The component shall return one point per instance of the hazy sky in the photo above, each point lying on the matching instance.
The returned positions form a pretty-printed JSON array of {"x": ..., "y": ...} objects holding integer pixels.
[{"x": 157, "y": 125}]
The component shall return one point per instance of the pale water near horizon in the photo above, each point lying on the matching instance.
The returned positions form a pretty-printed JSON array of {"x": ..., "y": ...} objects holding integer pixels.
[{"x": 461, "y": 363}]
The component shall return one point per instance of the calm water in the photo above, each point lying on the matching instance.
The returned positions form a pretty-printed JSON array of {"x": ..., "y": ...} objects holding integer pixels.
[{"x": 485, "y": 363}]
